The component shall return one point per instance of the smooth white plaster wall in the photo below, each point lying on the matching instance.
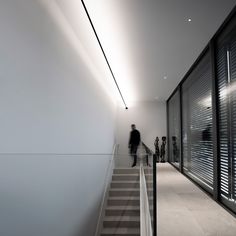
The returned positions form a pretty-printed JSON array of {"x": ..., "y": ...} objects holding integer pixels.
[
  {"x": 150, "y": 120},
  {"x": 50, "y": 103}
]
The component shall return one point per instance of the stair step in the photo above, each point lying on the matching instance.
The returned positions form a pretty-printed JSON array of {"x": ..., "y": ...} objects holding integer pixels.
[
  {"x": 126, "y": 177},
  {"x": 148, "y": 170},
  {"x": 148, "y": 176},
  {"x": 121, "y": 232},
  {"x": 122, "y": 211},
  {"x": 126, "y": 171},
  {"x": 122, "y": 214},
  {"x": 114, "y": 192},
  {"x": 126, "y": 201},
  {"x": 149, "y": 184},
  {"x": 123, "y": 201},
  {"x": 122, "y": 221},
  {"x": 125, "y": 184}
]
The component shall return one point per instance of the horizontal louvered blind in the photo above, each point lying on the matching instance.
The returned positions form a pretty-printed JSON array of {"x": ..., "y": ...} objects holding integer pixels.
[
  {"x": 226, "y": 78},
  {"x": 233, "y": 79},
  {"x": 197, "y": 123},
  {"x": 223, "y": 119},
  {"x": 174, "y": 128}
]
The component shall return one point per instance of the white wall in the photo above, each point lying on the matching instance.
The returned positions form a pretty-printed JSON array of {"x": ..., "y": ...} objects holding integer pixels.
[
  {"x": 51, "y": 102},
  {"x": 150, "y": 120}
]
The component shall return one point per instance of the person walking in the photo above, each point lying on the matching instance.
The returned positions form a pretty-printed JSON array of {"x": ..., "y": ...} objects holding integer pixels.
[{"x": 134, "y": 141}]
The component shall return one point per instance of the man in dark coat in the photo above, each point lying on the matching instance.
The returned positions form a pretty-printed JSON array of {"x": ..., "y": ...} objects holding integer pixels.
[{"x": 134, "y": 141}]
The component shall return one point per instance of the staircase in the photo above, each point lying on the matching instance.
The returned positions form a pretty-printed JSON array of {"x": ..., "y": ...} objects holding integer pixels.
[{"x": 122, "y": 213}]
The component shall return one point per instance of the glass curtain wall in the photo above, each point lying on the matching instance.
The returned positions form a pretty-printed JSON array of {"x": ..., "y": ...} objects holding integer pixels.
[
  {"x": 226, "y": 80},
  {"x": 197, "y": 124},
  {"x": 174, "y": 129},
  {"x": 190, "y": 117}
]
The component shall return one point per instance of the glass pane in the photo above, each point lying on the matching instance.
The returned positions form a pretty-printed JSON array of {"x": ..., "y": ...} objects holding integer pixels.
[
  {"x": 174, "y": 129},
  {"x": 197, "y": 124},
  {"x": 226, "y": 75}
]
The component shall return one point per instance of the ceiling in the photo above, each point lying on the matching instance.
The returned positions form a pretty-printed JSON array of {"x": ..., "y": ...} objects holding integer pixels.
[
  {"x": 155, "y": 39},
  {"x": 150, "y": 44}
]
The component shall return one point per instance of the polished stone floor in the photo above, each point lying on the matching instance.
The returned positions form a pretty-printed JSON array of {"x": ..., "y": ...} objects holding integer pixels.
[{"x": 185, "y": 210}]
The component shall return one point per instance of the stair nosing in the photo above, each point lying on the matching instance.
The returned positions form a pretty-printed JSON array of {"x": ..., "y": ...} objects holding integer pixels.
[
  {"x": 123, "y": 207},
  {"x": 125, "y": 189},
  {"x": 124, "y": 198},
  {"x": 122, "y": 218},
  {"x": 121, "y": 230},
  {"x": 134, "y": 174},
  {"x": 124, "y": 181}
]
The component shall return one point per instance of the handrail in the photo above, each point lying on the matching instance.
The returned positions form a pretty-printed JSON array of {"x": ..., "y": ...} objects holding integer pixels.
[
  {"x": 105, "y": 192},
  {"x": 145, "y": 217},
  {"x": 154, "y": 172},
  {"x": 148, "y": 150}
]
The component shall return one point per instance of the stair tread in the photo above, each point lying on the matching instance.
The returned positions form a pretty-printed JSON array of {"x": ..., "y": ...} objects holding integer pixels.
[
  {"x": 127, "y": 189},
  {"x": 128, "y": 174},
  {"x": 124, "y": 198},
  {"x": 122, "y": 218},
  {"x": 125, "y": 177},
  {"x": 124, "y": 189},
  {"x": 125, "y": 181},
  {"x": 127, "y": 168},
  {"x": 128, "y": 198},
  {"x": 128, "y": 181},
  {"x": 121, "y": 230},
  {"x": 123, "y": 207},
  {"x": 129, "y": 207}
]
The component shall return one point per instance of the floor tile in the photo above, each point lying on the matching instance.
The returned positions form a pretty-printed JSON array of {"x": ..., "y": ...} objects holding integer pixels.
[{"x": 185, "y": 210}]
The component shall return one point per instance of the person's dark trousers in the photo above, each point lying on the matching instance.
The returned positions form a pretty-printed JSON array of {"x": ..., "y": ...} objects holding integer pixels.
[{"x": 133, "y": 151}]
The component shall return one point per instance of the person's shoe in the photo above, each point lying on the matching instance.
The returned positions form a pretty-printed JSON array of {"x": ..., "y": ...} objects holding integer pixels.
[{"x": 133, "y": 165}]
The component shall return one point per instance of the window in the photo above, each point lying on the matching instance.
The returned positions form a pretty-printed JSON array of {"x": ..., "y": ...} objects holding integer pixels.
[
  {"x": 174, "y": 128},
  {"x": 197, "y": 124}
]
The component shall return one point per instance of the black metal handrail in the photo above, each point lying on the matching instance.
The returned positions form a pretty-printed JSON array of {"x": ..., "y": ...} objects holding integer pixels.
[{"x": 148, "y": 150}]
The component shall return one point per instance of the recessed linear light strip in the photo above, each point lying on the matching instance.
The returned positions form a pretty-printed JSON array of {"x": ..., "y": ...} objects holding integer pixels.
[{"x": 103, "y": 53}]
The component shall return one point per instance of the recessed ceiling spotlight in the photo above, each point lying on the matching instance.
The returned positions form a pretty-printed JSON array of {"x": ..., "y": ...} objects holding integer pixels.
[
  {"x": 165, "y": 77},
  {"x": 189, "y": 19}
]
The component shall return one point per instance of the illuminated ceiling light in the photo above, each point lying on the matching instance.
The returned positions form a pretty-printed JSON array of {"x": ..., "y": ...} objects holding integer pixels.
[
  {"x": 108, "y": 64},
  {"x": 189, "y": 19}
]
